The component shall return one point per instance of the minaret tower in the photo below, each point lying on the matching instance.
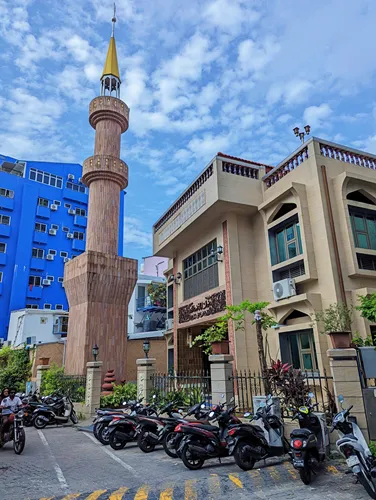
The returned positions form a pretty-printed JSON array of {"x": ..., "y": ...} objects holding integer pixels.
[{"x": 99, "y": 283}]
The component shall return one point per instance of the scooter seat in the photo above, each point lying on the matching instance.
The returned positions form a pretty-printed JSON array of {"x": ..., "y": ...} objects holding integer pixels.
[
  {"x": 207, "y": 427},
  {"x": 303, "y": 433}
]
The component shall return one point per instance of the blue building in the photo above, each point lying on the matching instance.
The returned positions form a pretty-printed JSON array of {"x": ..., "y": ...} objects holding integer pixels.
[{"x": 43, "y": 218}]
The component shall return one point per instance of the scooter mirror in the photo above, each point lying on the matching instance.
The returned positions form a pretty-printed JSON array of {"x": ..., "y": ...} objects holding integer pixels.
[
  {"x": 341, "y": 399},
  {"x": 211, "y": 414},
  {"x": 203, "y": 406},
  {"x": 247, "y": 414},
  {"x": 311, "y": 395}
]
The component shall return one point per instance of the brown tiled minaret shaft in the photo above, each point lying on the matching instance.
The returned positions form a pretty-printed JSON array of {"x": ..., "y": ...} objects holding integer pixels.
[{"x": 99, "y": 283}]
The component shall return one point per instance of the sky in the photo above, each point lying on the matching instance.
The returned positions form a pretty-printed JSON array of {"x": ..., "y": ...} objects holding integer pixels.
[{"x": 199, "y": 77}]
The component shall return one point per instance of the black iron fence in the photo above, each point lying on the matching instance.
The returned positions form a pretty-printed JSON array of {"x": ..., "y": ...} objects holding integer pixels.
[
  {"x": 248, "y": 385},
  {"x": 73, "y": 386},
  {"x": 186, "y": 389}
]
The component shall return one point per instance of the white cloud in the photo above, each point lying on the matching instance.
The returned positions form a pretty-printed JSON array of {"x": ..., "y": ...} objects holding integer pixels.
[
  {"x": 254, "y": 56},
  {"x": 135, "y": 235},
  {"x": 317, "y": 116},
  {"x": 229, "y": 15}
]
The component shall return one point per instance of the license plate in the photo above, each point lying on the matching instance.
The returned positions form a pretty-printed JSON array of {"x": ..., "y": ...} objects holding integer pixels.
[
  {"x": 353, "y": 460},
  {"x": 298, "y": 463}
]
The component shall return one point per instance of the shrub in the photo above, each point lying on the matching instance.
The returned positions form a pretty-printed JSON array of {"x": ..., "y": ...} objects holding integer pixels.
[
  {"x": 121, "y": 393},
  {"x": 336, "y": 318},
  {"x": 15, "y": 368},
  {"x": 54, "y": 380}
]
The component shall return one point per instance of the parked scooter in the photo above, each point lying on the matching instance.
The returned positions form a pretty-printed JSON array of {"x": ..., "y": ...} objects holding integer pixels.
[
  {"x": 48, "y": 415},
  {"x": 354, "y": 449},
  {"x": 203, "y": 442},
  {"x": 251, "y": 443},
  {"x": 309, "y": 443},
  {"x": 15, "y": 431}
]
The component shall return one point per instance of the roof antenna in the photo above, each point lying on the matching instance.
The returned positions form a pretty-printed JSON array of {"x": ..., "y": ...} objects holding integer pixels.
[{"x": 114, "y": 21}]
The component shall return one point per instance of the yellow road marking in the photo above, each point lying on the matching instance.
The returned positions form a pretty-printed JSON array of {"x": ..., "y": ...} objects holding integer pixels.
[
  {"x": 290, "y": 469},
  {"x": 235, "y": 479},
  {"x": 214, "y": 486},
  {"x": 332, "y": 469},
  {"x": 118, "y": 494},
  {"x": 190, "y": 492},
  {"x": 142, "y": 493},
  {"x": 95, "y": 495},
  {"x": 256, "y": 477},
  {"x": 166, "y": 494},
  {"x": 50, "y": 498},
  {"x": 71, "y": 496},
  {"x": 273, "y": 472}
]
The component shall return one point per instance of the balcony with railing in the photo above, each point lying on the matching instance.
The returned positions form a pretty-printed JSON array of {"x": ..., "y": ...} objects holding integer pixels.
[
  {"x": 149, "y": 304},
  {"x": 290, "y": 164}
]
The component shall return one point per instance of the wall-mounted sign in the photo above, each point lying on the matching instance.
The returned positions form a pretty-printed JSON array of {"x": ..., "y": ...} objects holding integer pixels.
[{"x": 212, "y": 304}]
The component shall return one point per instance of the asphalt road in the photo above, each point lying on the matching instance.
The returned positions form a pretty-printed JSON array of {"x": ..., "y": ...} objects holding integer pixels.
[{"x": 68, "y": 464}]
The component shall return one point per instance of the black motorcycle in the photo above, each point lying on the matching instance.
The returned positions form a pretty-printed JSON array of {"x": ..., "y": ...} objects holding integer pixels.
[
  {"x": 309, "y": 443},
  {"x": 59, "y": 414},
  {"x": 15, "y": 431},
  {"x": 203, "y": 442}
]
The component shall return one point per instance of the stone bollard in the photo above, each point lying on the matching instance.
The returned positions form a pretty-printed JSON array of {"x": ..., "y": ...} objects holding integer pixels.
[
  {"x": 93, "y": 387},
  {"x": 346, "y": 381},
  {"x": 221, "y": 373},
  {"x": 145, "y": 372},
  {"x": 40, "y": 370}
]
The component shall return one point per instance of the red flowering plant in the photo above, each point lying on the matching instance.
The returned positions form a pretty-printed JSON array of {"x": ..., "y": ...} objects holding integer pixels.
[{"x": 287, "y": 383}]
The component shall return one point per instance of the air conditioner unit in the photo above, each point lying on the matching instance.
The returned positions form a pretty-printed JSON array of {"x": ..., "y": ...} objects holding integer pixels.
[
  {"x": 72, "y": 211},
  {"x": 52, "y": 232},
  {"x": 70, "y": 236},
  {"x": 46, "y": 282},
  {"x": 283, "y": 289},
  {"x": 80, "y": 179},
  {"x": 66, "y": 259},
  {"x": 169, "y": 324},
  {"x": 53, "y": 207},
  {"x": 50, "y": 257},
  {"x": 71, "y": 177}
]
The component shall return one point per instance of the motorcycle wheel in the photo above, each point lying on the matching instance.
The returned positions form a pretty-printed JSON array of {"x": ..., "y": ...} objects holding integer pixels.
[
  {"x": 103, "y": 435},
  {"x": 39, "y": 423},
  {"x": 96, "y": 429},
  {"x": 116, "y": 443},
  {"x": 19, "y": 445},
  {"x": 28, "y": 422},
  {"x": 189, "y": 460},
  {"x": 73, "y": 417},
  {"x": 144, "y": 443},
  {"x": 305, "y": 474},
  {"x": 168, "y": 447},
  {"x": 242, "y": 457},
  {"x": 367, "y": 482}
]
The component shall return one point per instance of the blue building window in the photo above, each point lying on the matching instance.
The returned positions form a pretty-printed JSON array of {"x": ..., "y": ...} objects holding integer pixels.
[
  {"x": 7, "y": 193},
  {"x": 1, "y": 277},
  {"x": 45, "y": 178},
  {"x": 37, "y": 253},
  {"x": 43, "y": 202},
  {"x": 35, "y": 280},
  {"x": 76, "y": 187},
  {"x": 3, "y": 247},
  {"x": 80, "y": 211},
  {"x": 5, "y": 220},
  {"x": 41, "y": 228},
  {"x": 77, "y": 235}
]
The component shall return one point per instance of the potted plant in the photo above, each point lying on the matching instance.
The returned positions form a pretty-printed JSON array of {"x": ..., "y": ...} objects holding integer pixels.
[
  {"x": 157, "y": 294},
  {"x": 336, "y": 321},
  {"x": 366, "y": 346},
  {"x": 214, "y": 339}
]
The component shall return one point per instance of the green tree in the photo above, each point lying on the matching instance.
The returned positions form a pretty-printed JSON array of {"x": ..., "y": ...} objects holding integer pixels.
[
  {"x": 15, "y": 368},
  {"x": 367, "y": 307}
]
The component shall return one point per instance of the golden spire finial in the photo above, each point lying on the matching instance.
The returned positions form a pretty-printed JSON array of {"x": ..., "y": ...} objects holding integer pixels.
[{"x": 111, "y": 66}]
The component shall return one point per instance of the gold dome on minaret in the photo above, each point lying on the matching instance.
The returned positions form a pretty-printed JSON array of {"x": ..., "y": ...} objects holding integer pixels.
[{"x": 111, "y": 66}]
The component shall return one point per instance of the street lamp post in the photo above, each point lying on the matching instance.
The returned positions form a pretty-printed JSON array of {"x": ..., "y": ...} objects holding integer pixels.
[
  {"x": 146, "y": 348},
  {"x": 301, "y": 135}
]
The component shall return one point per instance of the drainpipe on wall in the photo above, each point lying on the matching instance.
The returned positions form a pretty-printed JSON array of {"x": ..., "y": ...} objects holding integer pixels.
[{"x": 333, "y": 232}]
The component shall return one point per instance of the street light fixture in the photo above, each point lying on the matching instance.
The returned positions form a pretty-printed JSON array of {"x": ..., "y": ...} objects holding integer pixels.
[
  {"x": 95, "y": 351},
  {"x": 301, "y": 135},
  {"x": 146, "y": 348}
]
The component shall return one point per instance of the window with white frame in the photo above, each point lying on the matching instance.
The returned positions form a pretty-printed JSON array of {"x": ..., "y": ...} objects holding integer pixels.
[
  {"x": 50, "y": 278},
  {"x": 63, "y": 254},
  {"x": 47, "y": 306},
  {"x": 7, "y": 193},
  {"x": 35, "y": 280},
  {"x": 45, "y": 178},
  {"x": 5, "y": 220},
  {"x": 52, "y": 252},
  {"x": 65, "y": 229},
  {"x": 37, "y": 253},
  {"x": 43, "y": 202},
  {"x": 67, "y": 205},
  {"x": 1, "y": 277},
  {"x": 54, "y": 226},
  {"x": 32, "y": 306},
  {"x": 41, "y": 228},
  {"x": 59, "y": 307},
  {"x": 77, "y": 235},
  {"x": 57, "y": 202},
  {"x": 81, "y": 211},
  {"x": 76, "y": 187},
  {"x": 60, "y": 279},
  {"x": 3, "y": 247}
]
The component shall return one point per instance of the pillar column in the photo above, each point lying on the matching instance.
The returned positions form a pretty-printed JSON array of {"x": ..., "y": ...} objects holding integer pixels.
[
  {"x": 93, "y": 386},
  {"x": 346, "y": 381},
  {"x": 145, "y": 373},
  {"x": 40, "y": 370},
  {"x": 221, "y": 373}
]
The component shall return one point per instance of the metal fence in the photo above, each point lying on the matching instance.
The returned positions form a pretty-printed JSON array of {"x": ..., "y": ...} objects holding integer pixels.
[
  {"x": 73, "y": 386},
  {"x": 249, "y": 384},
  {"x": 186, "y": 389}
]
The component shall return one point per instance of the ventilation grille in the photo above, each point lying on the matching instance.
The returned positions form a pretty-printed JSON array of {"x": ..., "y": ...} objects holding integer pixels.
[
  {"x": 291, "y": 272},
  {"x": 367, "y": 262}
]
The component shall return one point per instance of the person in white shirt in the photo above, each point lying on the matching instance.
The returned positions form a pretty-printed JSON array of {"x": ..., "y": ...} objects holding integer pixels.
[{"x": 12, "y": 402}]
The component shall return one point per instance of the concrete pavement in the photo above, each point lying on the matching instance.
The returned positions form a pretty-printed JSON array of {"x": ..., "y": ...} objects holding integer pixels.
[{"x": 62, "y": 463}]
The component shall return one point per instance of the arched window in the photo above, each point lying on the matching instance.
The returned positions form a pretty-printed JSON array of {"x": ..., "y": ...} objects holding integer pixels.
[
  {"x": 360, "y": 197},
  {"x": 285, "y": 209}
]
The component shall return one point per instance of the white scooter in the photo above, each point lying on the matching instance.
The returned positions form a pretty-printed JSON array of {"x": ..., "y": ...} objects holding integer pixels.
[{"x": 354, "y": 449}]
